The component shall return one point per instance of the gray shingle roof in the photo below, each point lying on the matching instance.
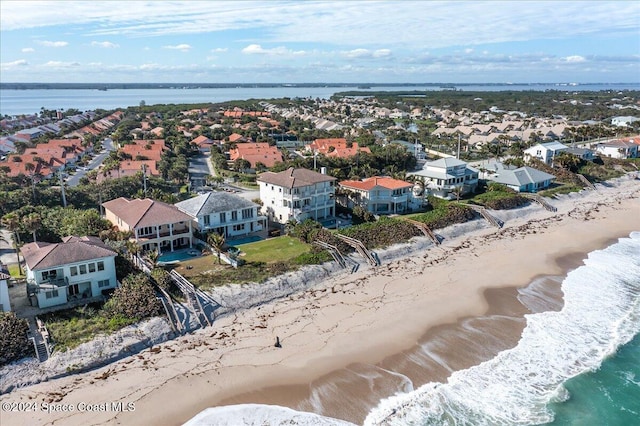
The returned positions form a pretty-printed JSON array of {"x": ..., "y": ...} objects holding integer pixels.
[
  {"x": 521, "y": 176},
  {"x": 213, "y": 202},
  {"x": 41, "y": 255}
]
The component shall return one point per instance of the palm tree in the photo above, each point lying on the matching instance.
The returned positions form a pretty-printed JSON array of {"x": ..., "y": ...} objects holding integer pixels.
[
  {"x": 11, "y": 221},
  {"x": 217, "y": 242},
  {"x": 32, "y": 222}
]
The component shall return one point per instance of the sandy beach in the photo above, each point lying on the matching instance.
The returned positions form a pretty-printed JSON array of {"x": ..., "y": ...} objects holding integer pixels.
[{"x": 350, "y": 326}]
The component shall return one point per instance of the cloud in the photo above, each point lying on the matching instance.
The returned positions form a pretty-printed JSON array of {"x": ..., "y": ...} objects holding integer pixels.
[
  {"x": 575, "y": 58},
  {"x": 47, "y": 43},
  {"x": 104, "y": 44},
  {"x": 14, "y": 64},
  {"x": 366, "y": 53},
  {"x": 256, "y": 49},
  {"x": 181, "y": 47},
  {"x": 28, "y": 50},
  {"x": 219, "y": 50},
  {"x": 61, "y": 64}
]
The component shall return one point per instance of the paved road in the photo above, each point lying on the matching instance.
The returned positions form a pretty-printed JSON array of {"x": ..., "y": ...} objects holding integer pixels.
[
  {"x": 107, "y": 146},
  {"x": 199, "y": 168},
  {"x": 7, "y": 253}
]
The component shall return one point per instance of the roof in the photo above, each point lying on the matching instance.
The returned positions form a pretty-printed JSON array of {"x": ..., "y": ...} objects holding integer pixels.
[
  {"x": 294, "y": 178},
  {"x": 145, "y": 212},
  {"x": 521, "y": 176},
  {"x": 382, "y": 181},
  {"x": 554, "y": 145},
  {"x": 213, "y": 202},
  {"x": 446, "y": 163},
  {"x": 41, "y": 255}
]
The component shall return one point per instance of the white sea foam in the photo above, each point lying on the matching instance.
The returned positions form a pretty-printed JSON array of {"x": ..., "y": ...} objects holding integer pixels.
[
  {"x": 601, "y": 312},
  {"x": 258, "y": 414}
]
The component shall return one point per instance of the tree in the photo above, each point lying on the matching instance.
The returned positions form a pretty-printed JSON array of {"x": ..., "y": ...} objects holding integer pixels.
[
  {"x": 240, "y": 165},
  {"x": 217, "y": 242},
  {"x": 32, "y": 222}
]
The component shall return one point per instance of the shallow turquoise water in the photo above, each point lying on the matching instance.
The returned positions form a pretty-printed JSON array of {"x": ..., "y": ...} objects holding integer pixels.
[{"x": 608, "y": 396}]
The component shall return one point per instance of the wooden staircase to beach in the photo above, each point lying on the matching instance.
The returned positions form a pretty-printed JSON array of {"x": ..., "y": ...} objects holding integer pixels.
[
  {"x": 191, "y": 295},
  {"x": 425, "y": 230},
  {"x": 586, "y": 182},
  {"x": 39, "y": 336},
  {"x": 340, "y": 259},
  {"x": 369, "y": 256},
  {"x": 540, "y": 200},
  {"x": 486, "y": 215}
]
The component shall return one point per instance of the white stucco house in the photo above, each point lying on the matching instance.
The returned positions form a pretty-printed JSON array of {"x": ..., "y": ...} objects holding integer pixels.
[
  {"x": 623, "y": 121},
  {"x": 227, "y": 214},
  {"x": 78, "y": 268},
  {"x": 298, "y": 194},
  {"x": 546, "y": 152},
  {"x": 381, "y": 195},
  {"x": 618, "y": 149},
  {"x": 443, "y": 177}
]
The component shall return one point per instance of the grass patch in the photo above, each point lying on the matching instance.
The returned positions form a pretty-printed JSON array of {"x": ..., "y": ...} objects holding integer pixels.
[
  {"x": 561, "y": 189},
  {"x": 71, "y": 328},
  {"x": 14, "y": 271},
  {"x": 279, "y": 249}
]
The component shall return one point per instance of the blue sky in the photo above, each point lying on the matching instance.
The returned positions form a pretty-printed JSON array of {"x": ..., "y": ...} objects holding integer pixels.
[{"x": 320, "y": 41}]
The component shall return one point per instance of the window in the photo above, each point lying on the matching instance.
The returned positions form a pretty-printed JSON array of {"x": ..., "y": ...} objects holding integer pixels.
[
  {"x": 101, "y": 266},
  {"x": 239, "y": 227},
  {"x": 74, "y": 271},
  {"x": 223, "y": 217},
  {"x": 234, "y": 216},
  {"x": 51, "y": 294},
  {"x": 247, "y": 213},
  {"x": 49, "y": 275},
  {"x": 92, "y": 267},
  {"x": 104, "y": 283},
  {"x": 83, "y": 269},
  {"x": 207, "y": 220}
]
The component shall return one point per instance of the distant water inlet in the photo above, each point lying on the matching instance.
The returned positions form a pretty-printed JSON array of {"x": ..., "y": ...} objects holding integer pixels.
[{"x": 601, "y": 313}]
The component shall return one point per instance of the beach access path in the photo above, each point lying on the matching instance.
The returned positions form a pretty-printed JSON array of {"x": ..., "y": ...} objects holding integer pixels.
[{"x": 344, "y": 319}]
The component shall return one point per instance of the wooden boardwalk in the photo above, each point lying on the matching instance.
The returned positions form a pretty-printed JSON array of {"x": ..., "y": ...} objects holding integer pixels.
[
  {"x": 425, "y": 230},
  {"x": 486, "y": 215},
  {"x": 540, "y": 200},
  {"x": 369, "y": 256}
]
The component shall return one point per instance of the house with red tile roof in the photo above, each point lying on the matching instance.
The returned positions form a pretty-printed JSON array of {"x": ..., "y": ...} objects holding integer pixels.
[
  {"x": 151, "y": 149},
  {"x": 203, "y": 143},
  {"x": 255, "y": 153},
  {"x": 336, "y": 147},
  {"x": 380, "y": 194},
  {"x": 237, "y": 138},
  {"x": 155, "y": 225}
]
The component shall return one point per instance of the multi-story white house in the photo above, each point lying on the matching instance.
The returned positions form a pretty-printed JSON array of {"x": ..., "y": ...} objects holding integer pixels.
[
  {"x": 618, "y": 149},
  {"x": 155, "y": 225},
  {"x": 227, "y": 214},
  {"x": 5, "y": 302},
  {"x": 297, "y": 194},
  {"x": 546, "y": 152},
  {"x": 446, "y": 176},
  {"x": 380, "y": 194},
  {"x": 78, "y": 268}
]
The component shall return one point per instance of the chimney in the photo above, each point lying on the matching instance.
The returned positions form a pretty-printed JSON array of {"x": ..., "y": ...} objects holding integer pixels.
[{"x": 323, "y": 170}]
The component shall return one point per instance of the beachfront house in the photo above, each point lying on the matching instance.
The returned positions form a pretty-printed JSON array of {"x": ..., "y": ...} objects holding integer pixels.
[
  {"x": 227, "y": 214},
  {"x": 77, "y": 269},
  {"x": 521, "y": 179},
  {"x": 618, "y": 149},
  {"x": 297, "y": 194},
  {"x": 380, "y": 195},
  {"x": 156, "y": 226},
  {"x": 448, "y": 177},
  {"x": 5, "y": 303},
  {"x": 546, "y": 152}
]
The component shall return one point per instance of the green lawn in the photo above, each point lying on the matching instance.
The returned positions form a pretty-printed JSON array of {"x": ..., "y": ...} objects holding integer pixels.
[
  {"x": 14, "y": 271},
  {"x": 279, "y": 249}
]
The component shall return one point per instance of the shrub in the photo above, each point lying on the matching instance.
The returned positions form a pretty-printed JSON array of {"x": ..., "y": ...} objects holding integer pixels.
[
  {"x": 13, "y": 338},
  {"x": 135, "y": 299}
]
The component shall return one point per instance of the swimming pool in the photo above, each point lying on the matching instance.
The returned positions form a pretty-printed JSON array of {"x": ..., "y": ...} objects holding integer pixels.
[
  {"x": 247, "y": 240},
  {"x": 178, "y": 256}
]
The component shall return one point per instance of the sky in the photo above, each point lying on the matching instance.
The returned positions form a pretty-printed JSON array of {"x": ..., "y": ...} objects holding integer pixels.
[{"x": 353, "y": 41}]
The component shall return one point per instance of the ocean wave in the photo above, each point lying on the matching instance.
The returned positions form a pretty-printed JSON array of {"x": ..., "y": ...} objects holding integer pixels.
[{"x": 601, "y": 312}]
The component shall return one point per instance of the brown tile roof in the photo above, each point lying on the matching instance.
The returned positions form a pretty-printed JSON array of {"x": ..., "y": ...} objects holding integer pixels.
[
  {"x": 41, "y": 255},
  {"x": 337, "y": 147},
  {"x": 383, "y": 181},
  {"x": 145, "y": 212},
  {"x": 294, "y": 178},
  {"x": 256, "y": 152}
]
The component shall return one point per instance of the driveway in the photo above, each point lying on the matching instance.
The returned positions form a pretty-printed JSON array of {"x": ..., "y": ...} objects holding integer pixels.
[
  {"x": 107, "y": 146},
  {"x": 7, "y": 253},
  {"x": 199, "y": 168}
]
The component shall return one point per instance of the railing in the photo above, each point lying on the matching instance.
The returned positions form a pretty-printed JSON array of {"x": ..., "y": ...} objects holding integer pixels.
[
  {"x": 486, "y": 215},
  {"x": 371, "y": 257},
  {"x": 586, "y": 182},
  {"x": 190, "y": 293},
  {"x": 425, "y": 230},
  {"x": 538, "y": 199}
]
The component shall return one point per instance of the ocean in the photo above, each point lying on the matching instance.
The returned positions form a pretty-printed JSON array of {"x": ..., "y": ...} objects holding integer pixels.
[
  {"x": 579, "y": 365},
  {"x": 30, "y": 101}
]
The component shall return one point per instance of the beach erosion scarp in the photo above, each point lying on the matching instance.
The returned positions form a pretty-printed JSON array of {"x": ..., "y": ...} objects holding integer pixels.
[{"x": 328, "y": 319}]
